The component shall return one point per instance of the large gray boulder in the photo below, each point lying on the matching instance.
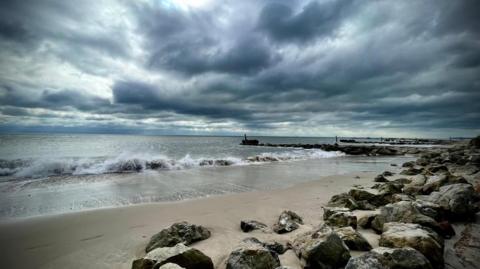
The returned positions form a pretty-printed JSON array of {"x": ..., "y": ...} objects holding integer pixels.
[
  {"x": 353, "y": 239},
  {"x": 181, "y": 255},
  {"x": 322, "y": 248},
  {"x": 465, "y": 252},
  {"x": 251, "y": 254},
  {"x": 343, "y": 200},
  {"x": 250, "y": 225},
  {"x": 328, "y": 211},
  {"x": 287, "y": 221},
  {"x": 342, "y": 219},
  {"x": 390, "y": 258},
  {"x": 435, "y": 182},
  {"x": 429, "y": 243},
  {"x": 459, "y": 201},
  {"x": 403, "y": 211},
  {"x": 181, "y": 232}
]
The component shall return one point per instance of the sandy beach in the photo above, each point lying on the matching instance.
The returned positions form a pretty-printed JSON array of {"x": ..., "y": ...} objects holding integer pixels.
[{"x": 113, "y": 238}]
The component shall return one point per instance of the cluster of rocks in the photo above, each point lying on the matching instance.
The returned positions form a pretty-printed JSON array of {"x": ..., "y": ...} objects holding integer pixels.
[
  {"x": 413, "y": 216},
  {"x": 368, "y": 150}
]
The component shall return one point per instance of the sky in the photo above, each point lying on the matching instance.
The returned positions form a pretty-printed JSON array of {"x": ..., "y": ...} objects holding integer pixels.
[{"x": 293, "y": 68}]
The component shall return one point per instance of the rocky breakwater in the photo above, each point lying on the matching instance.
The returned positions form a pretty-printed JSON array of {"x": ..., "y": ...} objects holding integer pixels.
[
  {"x": 367, "y": 150},
  {"x": 426, "y": 218}
]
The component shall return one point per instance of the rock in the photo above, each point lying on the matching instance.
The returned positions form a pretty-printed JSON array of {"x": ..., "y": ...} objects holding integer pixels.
[
  {"x": 465, "y": 253},
  {"x": 287, "y": 221},
  {"x": 390, "y": 188},
  {"x": 353, "y": 239},
  {"x": 411, "y": 171},
  {"x": 447, "y": 229},
  {"x": 170, "y": 266},
  {"x": 422, "y": 162},
  {"x": 181, "y": 232},
  {"x": 343, "y": 200},
  {"x": 272, "y": 246},
  {"x": 387, "y": 174},
  {"x": 398, "y": 235},
  {"x": 328, "y": 211},
  {"x": 322, "y": 249},
  {"x": 435, "y": 182},
  {"x": 380, "y": 178},
  {"x": 408, "y": 164},
  {"x": 365, "y": 205},
  {"x": 437, "y": 169},
  {"x": 359, "y": 195},
  {"x": 366, "y": 221},
  {"x": 390, "y": 258},
  {"x": 405, "y": 212},
  {"x": 475, "y": 143},
  {"x": 459, "y": 201},
  {"x": 402, "y": 197},
  {"x": 250, "y": 225},
  {"x": 251, "y": 254},
  {"x": 342, "y": 219},
  {"x": 402, "y": 180},
  {"x": 393, "y": 164},
  {"x": 181, "y": 255}
]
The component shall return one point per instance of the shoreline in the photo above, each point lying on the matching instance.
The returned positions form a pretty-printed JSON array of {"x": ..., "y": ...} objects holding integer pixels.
[{"x": 64, "y": 240}]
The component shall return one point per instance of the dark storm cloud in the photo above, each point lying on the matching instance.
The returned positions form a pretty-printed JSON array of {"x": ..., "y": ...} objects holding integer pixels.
[
  {"x": 187, "y": 43},
  {"x": 266, "y": 66},
  {"x": 315, "y": 19},
  {"x": 150, "y": 98},
  {"x": 54, "y": 100}
]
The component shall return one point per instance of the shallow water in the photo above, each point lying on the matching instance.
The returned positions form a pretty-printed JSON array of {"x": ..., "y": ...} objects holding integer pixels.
[{"x": 76, "y": 193}]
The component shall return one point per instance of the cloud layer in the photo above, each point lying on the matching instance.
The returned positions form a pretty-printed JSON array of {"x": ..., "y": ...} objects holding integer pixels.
[{"x": 313, "y": 68}]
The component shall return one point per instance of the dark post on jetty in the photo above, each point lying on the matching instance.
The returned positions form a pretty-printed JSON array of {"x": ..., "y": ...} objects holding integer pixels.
[{"x": 249, "y": 141}]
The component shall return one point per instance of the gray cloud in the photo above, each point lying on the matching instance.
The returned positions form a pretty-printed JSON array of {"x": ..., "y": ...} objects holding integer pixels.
[{"x": 273, "y": 67}]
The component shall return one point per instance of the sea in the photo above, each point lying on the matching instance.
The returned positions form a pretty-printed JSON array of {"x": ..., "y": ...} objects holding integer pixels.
[{"x": 47, "y": 174}]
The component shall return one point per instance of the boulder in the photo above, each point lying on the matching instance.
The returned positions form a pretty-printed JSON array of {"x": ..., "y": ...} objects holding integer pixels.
[
  {"x": 430, "y": 244},
  {"x": 343, "y": 200},
  {"x": 271, "y": 245},
  {"x": 464, "y": 253},
  {"x": 250, "y": 225},
  {"x": 387, "y": 174},
  {"x": 405, "y": 212},
  {"x": 342, "y": 219},
  {"x": 475, "y": 143},
  {"x": 181, "y": 232},
  {"x": 459, "y": 201},
  {"x": 402, "y": 180},
  {"x": 437, "y": 169},
  {"x": 411, "y": 171},
  {"x": 181, "y": 255},
  {"x": 408, "y": 164},
  {"x": 390, "y": 258},
  {"x": 170, "y": 266},
  {"x": 380, "y": 178},
  {"x": 366, "y": 221},
  {"x": 328, "y": 211},
  {"x": 322, "y": 248},
  {"x": 252, "y": 254},
  {"x": 353, "y": 239},
  {"x": 287, "y": 221},
  {"x": 359, "y": 195},
  {"x": 435, "y": 182},
  {"x": 402, "y": 197}
]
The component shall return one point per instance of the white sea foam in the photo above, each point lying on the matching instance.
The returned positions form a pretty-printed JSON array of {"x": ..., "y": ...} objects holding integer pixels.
[{"x": 128, "y": 162}]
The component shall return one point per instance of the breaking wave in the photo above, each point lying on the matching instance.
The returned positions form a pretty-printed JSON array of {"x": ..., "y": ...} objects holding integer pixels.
[{"x": 128, "y": 163}]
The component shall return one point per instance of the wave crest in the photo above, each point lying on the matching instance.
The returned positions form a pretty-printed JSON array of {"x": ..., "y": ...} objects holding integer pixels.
[{"x": 128, "y": 163}]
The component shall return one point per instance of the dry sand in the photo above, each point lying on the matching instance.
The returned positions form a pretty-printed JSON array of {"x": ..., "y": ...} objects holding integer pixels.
[{"x": 112, "y": 238}]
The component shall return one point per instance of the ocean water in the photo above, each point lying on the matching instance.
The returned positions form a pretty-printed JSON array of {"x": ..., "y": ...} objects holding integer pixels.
[{"x": 57, "y": 173}]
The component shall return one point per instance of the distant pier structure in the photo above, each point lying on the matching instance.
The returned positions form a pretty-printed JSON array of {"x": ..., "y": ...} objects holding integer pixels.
[{"x": 247, "y": 141}]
